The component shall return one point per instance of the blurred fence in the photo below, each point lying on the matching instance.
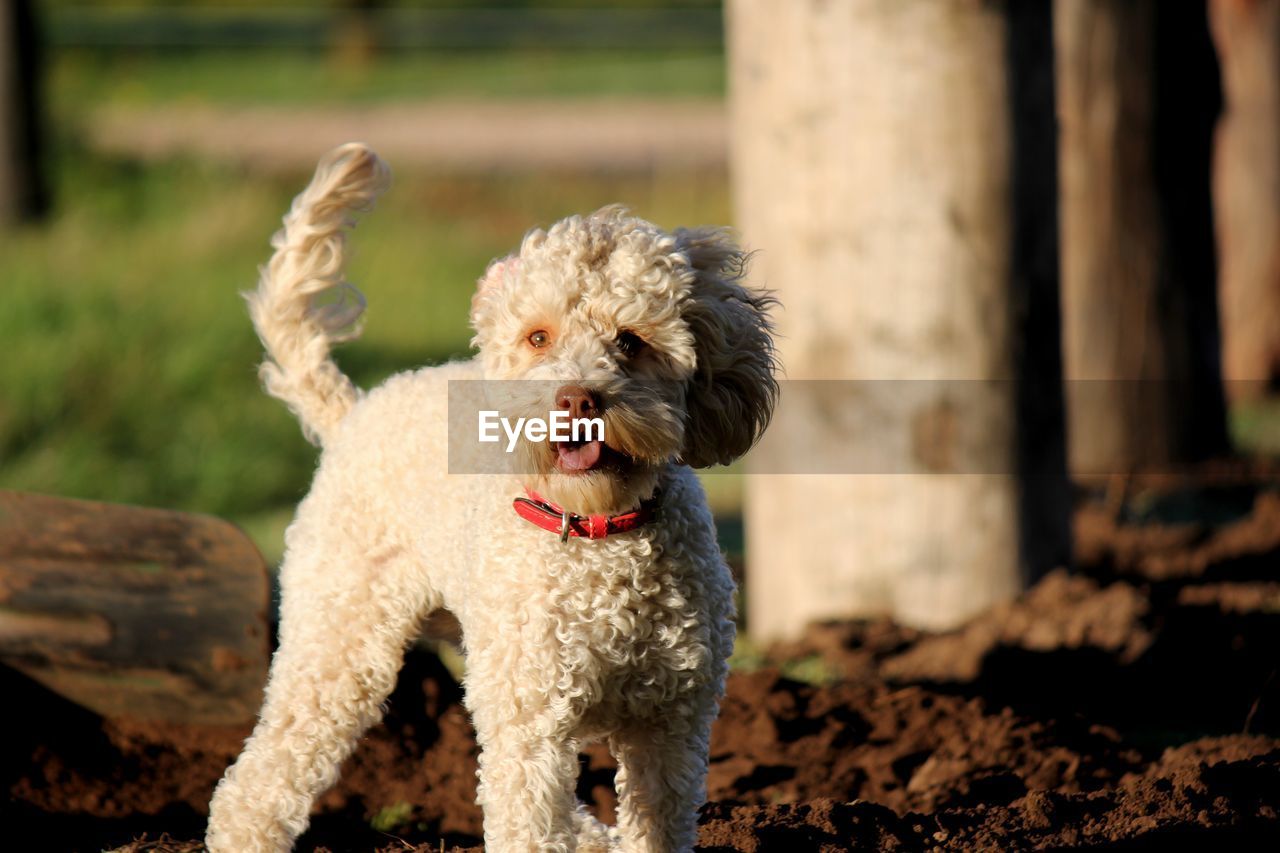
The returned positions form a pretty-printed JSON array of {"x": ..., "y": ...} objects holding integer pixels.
[{"x": 692, "y": 27}]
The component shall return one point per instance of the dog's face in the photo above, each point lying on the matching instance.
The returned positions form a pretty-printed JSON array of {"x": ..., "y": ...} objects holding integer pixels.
[{"x": 648, "y": 331}]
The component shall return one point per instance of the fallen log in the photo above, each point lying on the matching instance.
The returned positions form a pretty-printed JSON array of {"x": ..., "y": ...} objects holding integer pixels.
[{"x": 131, "y": 611}]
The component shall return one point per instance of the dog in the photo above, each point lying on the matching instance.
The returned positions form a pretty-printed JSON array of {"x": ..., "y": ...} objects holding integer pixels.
[{"x": 593, "y": 599}]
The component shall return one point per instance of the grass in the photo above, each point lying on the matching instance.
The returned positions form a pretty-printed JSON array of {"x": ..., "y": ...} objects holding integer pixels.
[
  {"x": 1255, "y": 426},
  {"x": 748, "y": 656},
  {"x": 129, "y": 361},
  {"x": 84, "y": 79},
  {"x": 392, "y": 817}
]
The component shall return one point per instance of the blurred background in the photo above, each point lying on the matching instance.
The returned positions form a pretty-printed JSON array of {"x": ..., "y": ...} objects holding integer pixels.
[
  {"x": 172, "y": 137},
  {"x": 1015, "y": 528},
  {"x": 1078, "y": 199}
]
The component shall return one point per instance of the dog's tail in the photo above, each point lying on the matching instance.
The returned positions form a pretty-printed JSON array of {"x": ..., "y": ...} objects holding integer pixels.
[{"x": 302, "y": 305}]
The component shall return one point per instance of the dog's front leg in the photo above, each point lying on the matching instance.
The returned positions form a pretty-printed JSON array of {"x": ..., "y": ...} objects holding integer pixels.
[
  {"x": 340, "y": 652},
  {"x": 528, "y": 759},
  {"x": 526, "y": 788},
  {"x": 661, "y": 782}
]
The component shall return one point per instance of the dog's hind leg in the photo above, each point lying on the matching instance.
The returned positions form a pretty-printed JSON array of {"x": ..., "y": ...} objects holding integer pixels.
[{"x": 341, "y": 647}]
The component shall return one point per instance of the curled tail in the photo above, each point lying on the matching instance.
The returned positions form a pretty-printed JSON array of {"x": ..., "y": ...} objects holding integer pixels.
[{"x": 302, "y": 305}]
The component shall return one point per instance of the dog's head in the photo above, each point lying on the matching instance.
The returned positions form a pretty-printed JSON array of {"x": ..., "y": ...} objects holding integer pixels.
[{"x": 651, "y": 332}]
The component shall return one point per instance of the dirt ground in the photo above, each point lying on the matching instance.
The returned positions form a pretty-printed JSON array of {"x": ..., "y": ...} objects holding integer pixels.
[{"x": 1133, "y": 705}]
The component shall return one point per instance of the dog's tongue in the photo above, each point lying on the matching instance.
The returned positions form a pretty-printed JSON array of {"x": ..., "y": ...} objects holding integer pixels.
[{"x": 580, "y": 458}]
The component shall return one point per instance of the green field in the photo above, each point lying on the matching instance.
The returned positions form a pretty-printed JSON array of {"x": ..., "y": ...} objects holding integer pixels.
[
  {"x": 86, "y": 79},
  {"x": 129, "y": 361},
  {"x": 129, "y": 369}
]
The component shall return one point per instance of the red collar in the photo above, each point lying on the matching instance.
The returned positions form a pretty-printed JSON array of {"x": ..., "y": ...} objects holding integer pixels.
[{"x": 557, "y": 519}]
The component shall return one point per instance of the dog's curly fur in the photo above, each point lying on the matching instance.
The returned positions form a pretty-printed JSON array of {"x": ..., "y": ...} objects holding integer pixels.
[{"x": 624, "y": 639}]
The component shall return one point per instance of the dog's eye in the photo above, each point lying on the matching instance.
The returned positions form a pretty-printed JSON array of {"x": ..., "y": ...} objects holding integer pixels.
[
  {"x": 539, "y": 339},
  {"x": 629, "y": 343}
]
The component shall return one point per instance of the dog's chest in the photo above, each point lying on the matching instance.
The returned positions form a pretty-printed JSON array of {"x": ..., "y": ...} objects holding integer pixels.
[
  {"x": 620, "y": 627},
  {"x": 614, "y": 597},
  {"x": 630, "y": 624}
]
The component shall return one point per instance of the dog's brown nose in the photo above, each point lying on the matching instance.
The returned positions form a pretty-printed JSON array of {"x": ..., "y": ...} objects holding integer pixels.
[{"x": 577, "y": 401}]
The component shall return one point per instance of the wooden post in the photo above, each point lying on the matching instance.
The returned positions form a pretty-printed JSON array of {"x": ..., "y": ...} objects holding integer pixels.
[
  {"x": 873, "y": 170},
  {"x": 1247, "y": 193},
  {"x": 23, "y": 194},
  {"x": 1138, "y": 97}
]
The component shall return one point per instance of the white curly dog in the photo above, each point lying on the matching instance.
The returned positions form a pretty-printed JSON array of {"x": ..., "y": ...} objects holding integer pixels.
[{"x": 612, "y": 619}]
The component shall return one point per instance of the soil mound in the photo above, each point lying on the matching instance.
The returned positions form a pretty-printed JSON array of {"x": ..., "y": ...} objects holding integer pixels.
[{"x": 1132, "y": 705}]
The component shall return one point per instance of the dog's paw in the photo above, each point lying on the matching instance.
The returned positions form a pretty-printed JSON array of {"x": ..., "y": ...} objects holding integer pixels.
[{"x": 594, "y": 836}]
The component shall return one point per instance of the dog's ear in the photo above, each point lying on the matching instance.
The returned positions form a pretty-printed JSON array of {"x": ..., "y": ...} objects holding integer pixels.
[
  {"x": 730, "y": 397},
  {"x": 497, "y": 270},
  {"x": 489, "y": 285}
]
